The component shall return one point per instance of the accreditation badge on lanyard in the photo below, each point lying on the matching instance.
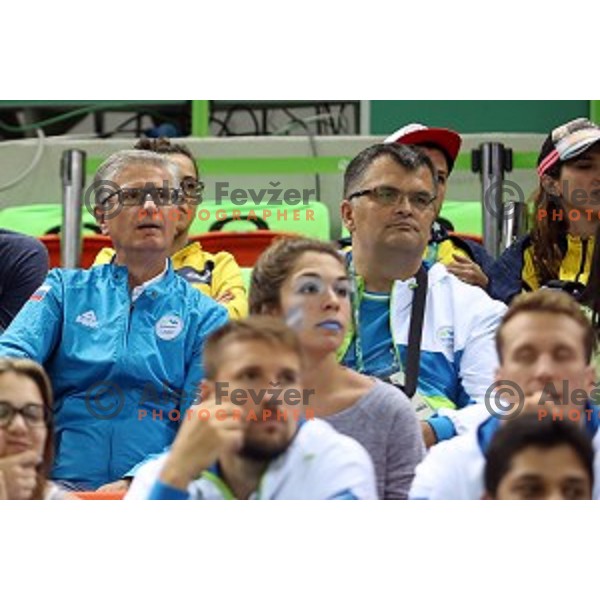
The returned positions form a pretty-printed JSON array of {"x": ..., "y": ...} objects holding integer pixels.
[{"x": 418, "y": 402}]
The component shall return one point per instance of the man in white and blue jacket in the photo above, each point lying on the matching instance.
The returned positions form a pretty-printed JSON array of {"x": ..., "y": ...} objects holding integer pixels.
[
  {"x": 545, "y": 344},
  {"x": 389, "y": 209},
  {"x": 122, "y": 342},
  {"x": 251, "y": 437}
]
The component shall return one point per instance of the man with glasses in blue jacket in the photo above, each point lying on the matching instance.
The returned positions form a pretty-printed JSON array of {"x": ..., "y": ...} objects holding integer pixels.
[{"x": 122, "y": 342}]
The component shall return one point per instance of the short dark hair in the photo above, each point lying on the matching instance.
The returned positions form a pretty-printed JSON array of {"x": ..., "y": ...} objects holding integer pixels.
[
  {"x": 434, "y": 146},
  {"x": 530, "y": 430},
  {"x": 163, "y": 145},
  {"x": 265, "y": 329},
  {"x": 409, "y": 157},
  {"x": 275, "y": 265},
  {"x": 550, "y": 301}
]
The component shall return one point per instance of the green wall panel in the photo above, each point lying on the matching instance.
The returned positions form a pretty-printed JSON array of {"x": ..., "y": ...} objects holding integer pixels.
[{"x": 477, "y": 116}]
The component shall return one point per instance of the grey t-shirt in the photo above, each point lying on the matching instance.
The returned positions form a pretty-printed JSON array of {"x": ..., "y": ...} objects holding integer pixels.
[{"x": 384, "y": 422}]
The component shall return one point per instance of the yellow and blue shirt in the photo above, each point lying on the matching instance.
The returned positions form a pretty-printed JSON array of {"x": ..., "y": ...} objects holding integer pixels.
[
  {"x": 444, "y": 246},
  {"x": 514, "y": 272}
]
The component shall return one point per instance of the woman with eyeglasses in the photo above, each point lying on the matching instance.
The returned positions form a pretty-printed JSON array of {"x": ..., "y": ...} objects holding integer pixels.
[
  {"x": 305, "y": 282},
  {"x": 25, "y": 432}
]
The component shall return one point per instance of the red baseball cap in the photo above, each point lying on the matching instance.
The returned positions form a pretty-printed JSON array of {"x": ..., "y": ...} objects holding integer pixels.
[{"x": 446, "y": 140}]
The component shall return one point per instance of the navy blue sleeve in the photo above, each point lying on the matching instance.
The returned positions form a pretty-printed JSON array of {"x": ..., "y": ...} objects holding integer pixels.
[
  {"x": 506, "y": 273},
  {"x": 36, "y": 330},
  {"x": 480, "y": 256},
  {"x": 23, "y": 267}
]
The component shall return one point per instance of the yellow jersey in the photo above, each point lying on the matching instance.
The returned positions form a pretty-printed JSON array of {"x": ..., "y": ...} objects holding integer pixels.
[{"x": 216, "y": 275}]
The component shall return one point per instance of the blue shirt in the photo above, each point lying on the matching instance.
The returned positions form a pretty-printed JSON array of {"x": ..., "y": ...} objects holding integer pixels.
[{"x": 375, "y": 337}]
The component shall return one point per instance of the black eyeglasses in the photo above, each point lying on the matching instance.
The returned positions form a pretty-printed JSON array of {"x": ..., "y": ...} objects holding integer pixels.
[
  {"x": 388, "y": 195},
  {"x": 137, "y": 196},
  {"x": 192, "y": 188},
  {"x": 33, "y": 414}
]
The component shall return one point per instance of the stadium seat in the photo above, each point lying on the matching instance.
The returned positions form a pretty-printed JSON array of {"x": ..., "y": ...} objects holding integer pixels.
[
  {"x": 311, "y": 220},
  {"x": 91, "y": 245},
  {"x": 246, "y": 246},
  {"x": 99, "y": 495},
  {"x": 464, "y": 216},
  {"x": 41, "y": 219}
]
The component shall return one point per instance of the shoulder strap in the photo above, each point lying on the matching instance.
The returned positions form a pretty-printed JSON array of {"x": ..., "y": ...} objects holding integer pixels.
[{"x": 415, "y": 333}]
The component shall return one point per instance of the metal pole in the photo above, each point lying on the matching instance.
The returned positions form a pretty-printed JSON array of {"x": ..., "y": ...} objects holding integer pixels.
[
  {"x": 514, "y": 224},
  {"x": 73, "y": 180},
  {"x": 491, "y": 161}
]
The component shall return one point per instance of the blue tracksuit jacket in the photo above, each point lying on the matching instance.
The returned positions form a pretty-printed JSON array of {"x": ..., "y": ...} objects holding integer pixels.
[{"x": 111, "y": 360}]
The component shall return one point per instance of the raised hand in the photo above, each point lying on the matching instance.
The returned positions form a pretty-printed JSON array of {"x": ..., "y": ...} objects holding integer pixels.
[
  {"x": 468, "y": 271},
  {"x": 20, "y": 475},
  {"x": 208, "y": 430}
]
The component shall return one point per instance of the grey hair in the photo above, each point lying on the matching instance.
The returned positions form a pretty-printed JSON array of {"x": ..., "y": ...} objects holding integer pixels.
[{"x": 124, "y": 159}]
